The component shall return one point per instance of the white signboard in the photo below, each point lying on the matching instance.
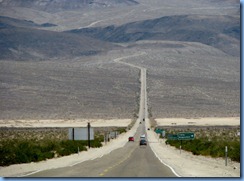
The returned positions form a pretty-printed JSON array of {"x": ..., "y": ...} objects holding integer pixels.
[
  {"x": 163, "y": 133},
  {"x": 80, "y": 134}
]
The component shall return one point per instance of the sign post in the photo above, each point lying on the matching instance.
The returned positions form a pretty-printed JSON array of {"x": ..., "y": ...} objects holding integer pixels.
[
  {"x": 88, "y": 127},
  {"x": 181, "y": 136},
  {"x": 73, "y": 134},
  {"x": 226, "y": 155}
]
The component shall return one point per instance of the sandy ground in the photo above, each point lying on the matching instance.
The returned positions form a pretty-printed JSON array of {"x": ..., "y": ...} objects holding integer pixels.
[
  {"x": 210, "y": 121},
  {"x": 183, "y": 164},
  {"x": 65, "y": 123}
]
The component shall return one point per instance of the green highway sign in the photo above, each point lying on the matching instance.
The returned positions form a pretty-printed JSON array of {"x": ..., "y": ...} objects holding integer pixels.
[
  {"x": 186, "y": 136},
  {"x": 181, "y": 136},
  {"x": 172, "y": 137},
  {"x": 159, "y": 131}
]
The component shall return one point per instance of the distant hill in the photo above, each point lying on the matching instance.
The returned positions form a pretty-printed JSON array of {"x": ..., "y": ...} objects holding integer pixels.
[
  {"x": 6, "y": 22},
  {"x": 61, "y": 5},
  {"x": 19, "y": 40},
  {"x": 22, "y": 40},
  {"x": 222, "y": 32}
]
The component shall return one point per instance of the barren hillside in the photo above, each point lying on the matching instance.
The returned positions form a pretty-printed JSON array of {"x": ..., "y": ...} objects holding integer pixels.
[
  {"x": 65, "y": 5},
  {"x": 191, "y": 53}
]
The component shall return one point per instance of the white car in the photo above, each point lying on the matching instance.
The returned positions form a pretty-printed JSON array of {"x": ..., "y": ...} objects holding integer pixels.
[{"x": 143, "y": 136}]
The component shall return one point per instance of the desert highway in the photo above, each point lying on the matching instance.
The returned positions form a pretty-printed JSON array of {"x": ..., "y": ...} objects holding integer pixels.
[{"x": 132, "y": 160}]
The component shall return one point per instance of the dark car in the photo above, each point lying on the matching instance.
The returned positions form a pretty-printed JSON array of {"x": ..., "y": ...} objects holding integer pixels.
[
  {"x": 143, "y": 142},
  {"x": 131, "y": 138}
]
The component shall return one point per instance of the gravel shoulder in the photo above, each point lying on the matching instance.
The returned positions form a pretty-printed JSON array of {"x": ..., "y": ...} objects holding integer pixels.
[{"x": 185, "y": 164}]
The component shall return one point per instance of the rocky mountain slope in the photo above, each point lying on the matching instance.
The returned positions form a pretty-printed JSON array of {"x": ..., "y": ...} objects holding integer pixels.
[
  {"x": 191, "y": 53},
  {"x": 222, "y": 32},
  {"x": 20, "y": 40}
]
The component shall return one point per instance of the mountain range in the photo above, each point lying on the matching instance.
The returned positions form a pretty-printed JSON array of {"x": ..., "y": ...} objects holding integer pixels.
[
  {"x": 58, "y": 58},
  {"x": 24, "y": 40},
  {"x": 65, "y": 5},
  {"x": 222, "y": 33}
]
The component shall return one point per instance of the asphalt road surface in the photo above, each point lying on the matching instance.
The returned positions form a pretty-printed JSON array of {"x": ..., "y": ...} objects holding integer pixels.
[{"x": 132, "y": 160}]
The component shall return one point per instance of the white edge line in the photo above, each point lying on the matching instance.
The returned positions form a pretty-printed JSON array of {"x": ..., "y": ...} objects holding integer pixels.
[
  {"x": 30, "y": 173},
  {"x": 165, "y": 163}
]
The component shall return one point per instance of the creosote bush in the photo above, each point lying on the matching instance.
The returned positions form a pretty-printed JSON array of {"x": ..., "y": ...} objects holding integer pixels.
[
  {"x": 33, "y": 145},
  {"x": 211, "y": 143},
  {"x": 26, "y": 151}
]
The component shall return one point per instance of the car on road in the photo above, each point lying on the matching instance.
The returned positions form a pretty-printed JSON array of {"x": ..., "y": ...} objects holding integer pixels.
[
  {"x": 143, "y": 142},
  {"x": 131, "y": 138},
  {"x": 143, "y": 136}
]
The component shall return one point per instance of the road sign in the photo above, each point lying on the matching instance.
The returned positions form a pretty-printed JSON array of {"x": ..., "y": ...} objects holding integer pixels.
[
  {"x": 185, "y": 136},
  {"x": 181, "y": 136},
  {"x": 172, "y": 137},
  {"x": 159, "y": 131},
  {"x": 163, "y": 133},
  {"x": 80, "y": 134}
]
